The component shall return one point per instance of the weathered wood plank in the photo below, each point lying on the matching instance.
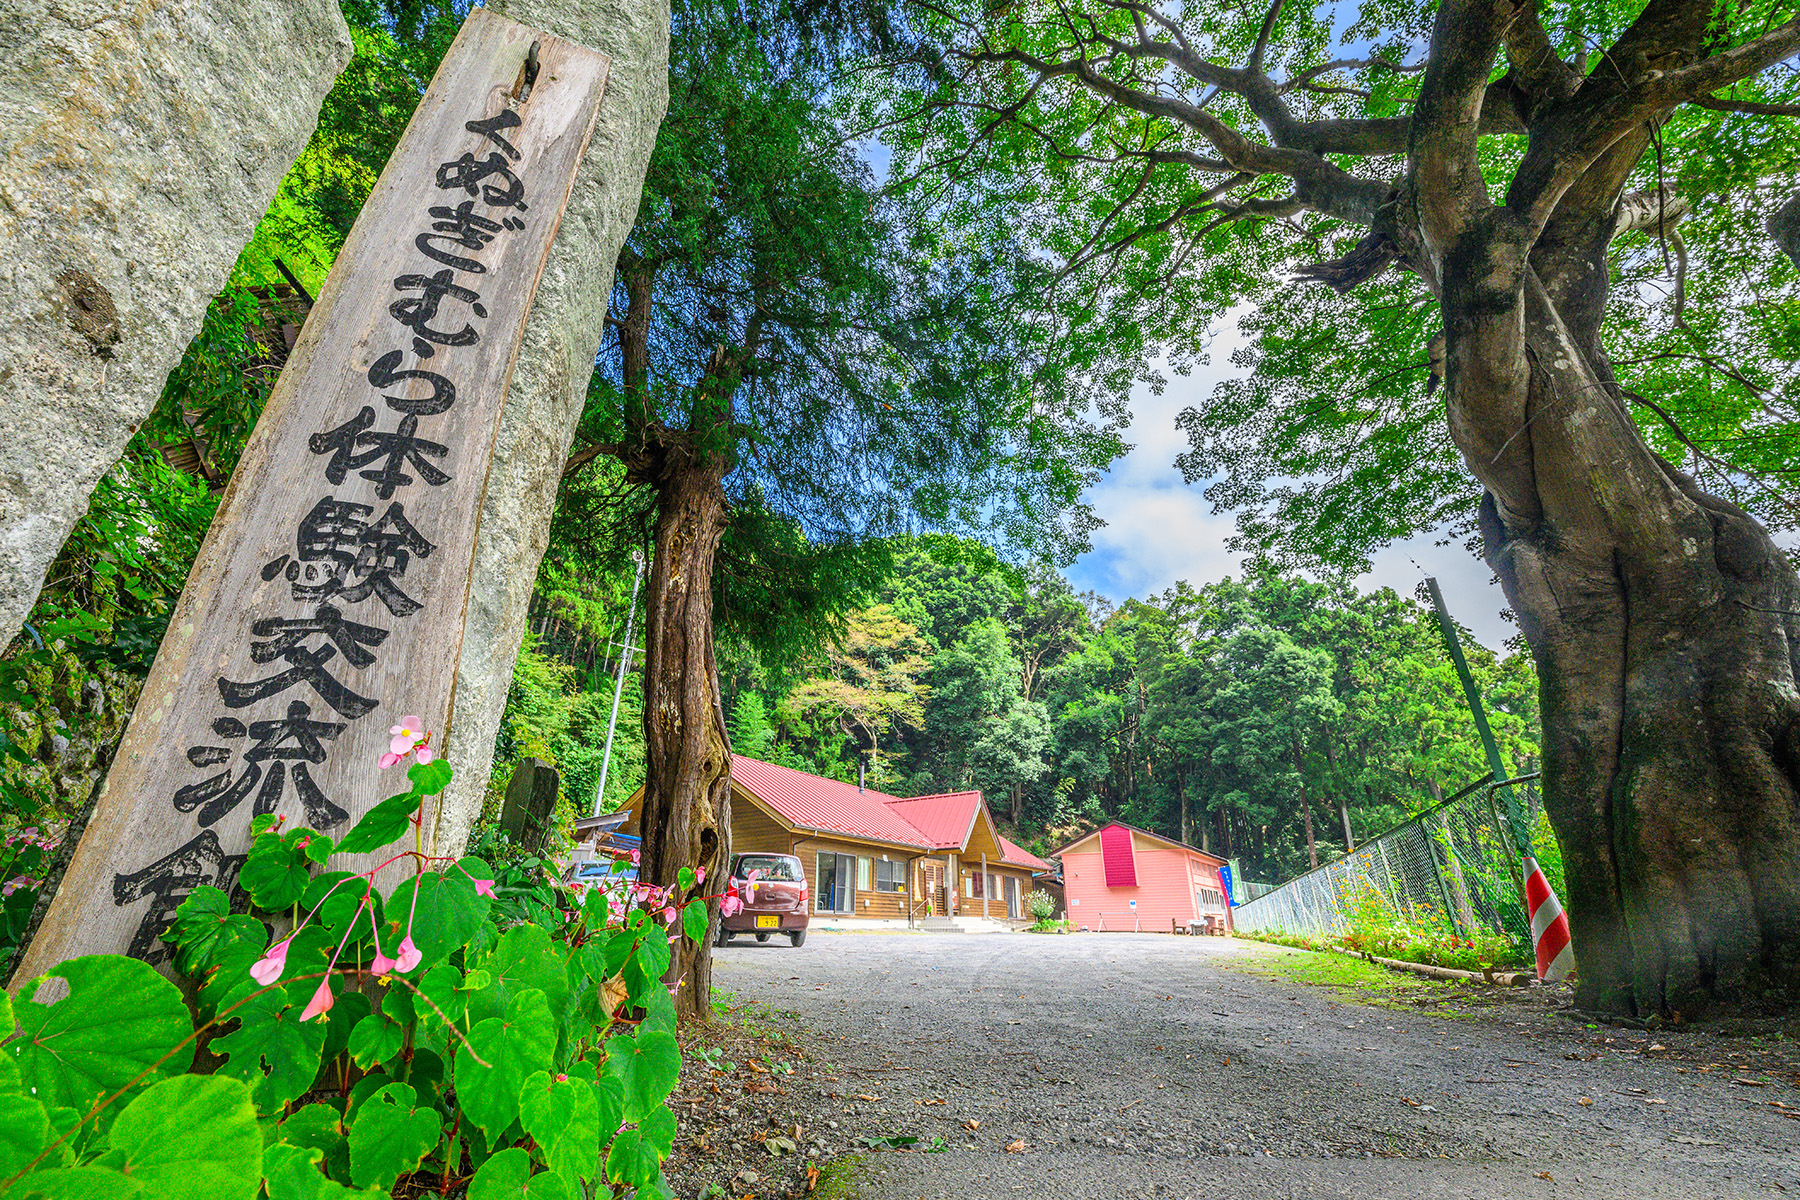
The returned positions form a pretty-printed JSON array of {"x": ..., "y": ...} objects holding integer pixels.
[{"x": 330, "y": 596}]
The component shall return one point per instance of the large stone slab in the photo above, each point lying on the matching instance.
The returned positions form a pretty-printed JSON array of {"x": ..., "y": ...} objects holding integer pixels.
[
  {"x": 326, "y": 602},
  {"x": 139, "y": 145},
  {"x": 550, "y": 381}
]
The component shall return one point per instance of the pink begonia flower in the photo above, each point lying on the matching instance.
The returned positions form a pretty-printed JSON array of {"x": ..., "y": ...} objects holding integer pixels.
[
  {"x": 410, "y": 955},
  {"x": 268, "y": 968},
  {"x": 321, "y": 1002},
  {"x": 426, "y": 753},
  {"x": 699, "y": 875},
  {"x": 381, "y": 964},
  {"x": 387, "y": 760},
  {"x": 637, "y": 857},
  {"x": 406, "y": 734},
  {"x": 562, "y": 1079},
  {"x": 729, "y": 904},
  {"x": 485, "y": 887},
  {"x": 669, "y": 915}
]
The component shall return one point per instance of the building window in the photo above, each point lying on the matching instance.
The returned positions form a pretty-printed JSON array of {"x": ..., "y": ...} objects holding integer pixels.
[{"x": 890, "y": 875}]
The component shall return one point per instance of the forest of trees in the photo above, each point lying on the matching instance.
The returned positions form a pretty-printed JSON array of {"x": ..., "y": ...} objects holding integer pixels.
[
  {"x": 1255, "y": 717},
  {"x": 1251, "y": 716}
]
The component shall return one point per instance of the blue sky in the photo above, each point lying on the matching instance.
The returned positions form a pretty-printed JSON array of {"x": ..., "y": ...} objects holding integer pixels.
[{"x": 1160, "y": 530}]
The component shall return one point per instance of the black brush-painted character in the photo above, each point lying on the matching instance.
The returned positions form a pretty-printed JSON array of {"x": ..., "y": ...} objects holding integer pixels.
[
  {"x": 355, "y": 444},
  {"x": 167, "y": 882},
  {"x": 467, "y": 172},
  {"x": 417, "y": 312},
  {"x": 340, "y": 554},
  {"x": 459, "y": 226}
]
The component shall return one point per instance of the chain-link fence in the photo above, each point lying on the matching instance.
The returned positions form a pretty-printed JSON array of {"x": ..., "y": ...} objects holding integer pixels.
[{"x": 1450, "y": 866}]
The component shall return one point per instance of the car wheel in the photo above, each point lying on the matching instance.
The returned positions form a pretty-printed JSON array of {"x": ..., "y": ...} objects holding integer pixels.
[
  {"x": 724, "y": 938},
  {"x": 798, "y": 937},
  {"x": 762, "y": 937}
]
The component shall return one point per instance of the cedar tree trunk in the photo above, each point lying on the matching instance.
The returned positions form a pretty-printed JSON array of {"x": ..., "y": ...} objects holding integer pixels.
[{"x": 686, "y": 817}]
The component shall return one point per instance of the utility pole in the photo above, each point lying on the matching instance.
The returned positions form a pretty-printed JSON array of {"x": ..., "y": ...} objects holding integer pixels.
[
  {"x": 637, "y": 577},
  {"x": 1549, "y": 925},
  {"x": 1520, "y": 835}
]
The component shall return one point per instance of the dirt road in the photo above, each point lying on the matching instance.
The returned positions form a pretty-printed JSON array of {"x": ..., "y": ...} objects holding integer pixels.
[{"x": 1134, "y": 1065}]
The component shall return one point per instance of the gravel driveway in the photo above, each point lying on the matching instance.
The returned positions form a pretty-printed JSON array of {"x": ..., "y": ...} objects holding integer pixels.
[{"x": 1122, "y": 1065}]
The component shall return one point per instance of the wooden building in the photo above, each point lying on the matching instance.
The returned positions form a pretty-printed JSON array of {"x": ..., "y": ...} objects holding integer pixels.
[{"x": 931, "y": 861}]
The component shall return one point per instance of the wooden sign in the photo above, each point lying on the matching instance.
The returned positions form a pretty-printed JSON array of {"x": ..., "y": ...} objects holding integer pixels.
[{"x": 330, "y": 596}]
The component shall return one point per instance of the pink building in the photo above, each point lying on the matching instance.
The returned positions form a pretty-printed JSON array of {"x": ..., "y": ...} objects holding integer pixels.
[{"x": 1122, "y": 878}]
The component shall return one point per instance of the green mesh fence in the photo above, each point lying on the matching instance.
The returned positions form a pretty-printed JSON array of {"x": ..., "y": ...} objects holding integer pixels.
[{"x": 1449, "y": 866}]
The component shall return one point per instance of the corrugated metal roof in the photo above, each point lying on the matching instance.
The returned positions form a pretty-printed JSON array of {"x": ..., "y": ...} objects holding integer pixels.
[
  {"x": 1020, "y": 856},
  {"x": 943, "y": 820},
  {"x": 1116, "y": 857},
  {"x": 814, "y": 802}
]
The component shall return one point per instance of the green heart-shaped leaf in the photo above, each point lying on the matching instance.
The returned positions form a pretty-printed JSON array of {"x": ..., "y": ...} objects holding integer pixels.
[
  {"x": 390, "y": 1135},
  {"x": 631, "y": 1160},
  {"x": 507, "y": 1176},
  {"x": 119, "y": 1020},
  {"x": 193, "y": 1137},
  {"x": 515, "y": 1047},
  {"x": 646, "y": 1064},
  {"x": 272, "y": 1050},
  {"x": 563, "y": 1118}
]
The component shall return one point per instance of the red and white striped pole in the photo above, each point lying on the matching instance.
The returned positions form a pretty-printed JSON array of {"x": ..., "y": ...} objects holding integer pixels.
[{"x": 1549, "y": 927}]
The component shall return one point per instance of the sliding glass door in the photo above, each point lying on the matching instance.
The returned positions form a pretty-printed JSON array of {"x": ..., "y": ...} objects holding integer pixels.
[{"x": 837, "y": 883}]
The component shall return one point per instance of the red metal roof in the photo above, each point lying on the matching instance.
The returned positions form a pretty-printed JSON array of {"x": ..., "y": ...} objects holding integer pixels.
[
  {"x": 1020, "y": 856},
  {"x": 1116, "y": 857},
  {"x": 944, "y": 821},
  {"x": 814, "y": 802},
  {"x": 940, "y": 822}
]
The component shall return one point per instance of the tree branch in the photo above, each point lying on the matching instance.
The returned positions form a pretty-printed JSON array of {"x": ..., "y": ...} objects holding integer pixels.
[
  {"x": 1320, "y": 185},
  {"x": 1752, "y": 107},
  {"x": 1539, "y": 73},
  {"x": 1726, "y": 68},
  {"x": 1465, "y": 37},
  {"x": 1262, "y": 36}
]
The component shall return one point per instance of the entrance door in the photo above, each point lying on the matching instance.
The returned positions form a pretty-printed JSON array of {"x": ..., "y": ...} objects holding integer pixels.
[
  {"x": 837, "y": 883},
  {"x": 1012, "y": 898},
  {"x": 933, "y": 873}
]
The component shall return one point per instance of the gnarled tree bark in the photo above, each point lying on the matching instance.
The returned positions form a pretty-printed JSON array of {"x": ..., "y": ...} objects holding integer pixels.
[{"x": 686, "y": 814}]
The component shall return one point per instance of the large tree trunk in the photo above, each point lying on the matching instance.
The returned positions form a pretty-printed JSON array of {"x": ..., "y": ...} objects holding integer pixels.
[
  {"x": 1665, "y": 625},
  {"x": 686, "y": 818}
]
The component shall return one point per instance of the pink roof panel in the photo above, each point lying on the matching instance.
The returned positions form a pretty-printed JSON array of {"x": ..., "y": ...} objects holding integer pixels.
[
  {"x": 944, "y": 820},
  {"x": 814, "y": 802},
  {"x": 1116, "y": 857}
]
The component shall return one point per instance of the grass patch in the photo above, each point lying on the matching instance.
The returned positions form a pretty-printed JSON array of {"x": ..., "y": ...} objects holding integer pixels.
[{"x": 1353, "y": 980}]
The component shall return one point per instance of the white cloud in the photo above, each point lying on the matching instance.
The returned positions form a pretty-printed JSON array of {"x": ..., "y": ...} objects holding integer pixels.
[{"x": 1160, "y": 529}]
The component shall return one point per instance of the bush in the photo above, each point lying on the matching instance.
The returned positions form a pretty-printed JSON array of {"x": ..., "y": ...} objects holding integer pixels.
[
  {"x": 421, "y": 1041},
  {"x": 1041, "y": 905}
]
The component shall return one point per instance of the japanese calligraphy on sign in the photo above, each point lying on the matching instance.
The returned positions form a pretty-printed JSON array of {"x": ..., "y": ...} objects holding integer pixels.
[{"x": 330, "y": 595}]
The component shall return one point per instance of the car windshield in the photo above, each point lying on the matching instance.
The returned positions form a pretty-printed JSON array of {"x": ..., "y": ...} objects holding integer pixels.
[{"x": 777, "y": 868}]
